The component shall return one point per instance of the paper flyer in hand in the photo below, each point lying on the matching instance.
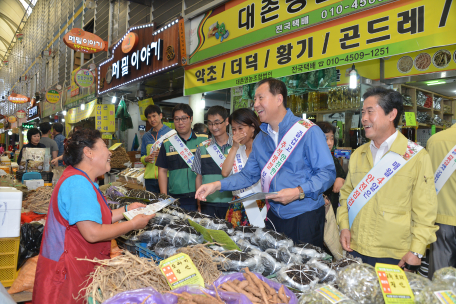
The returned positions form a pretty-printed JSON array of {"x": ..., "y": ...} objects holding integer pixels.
[
  {"x": 253, "y": 196},
  {"x": 150, "y": 209}
]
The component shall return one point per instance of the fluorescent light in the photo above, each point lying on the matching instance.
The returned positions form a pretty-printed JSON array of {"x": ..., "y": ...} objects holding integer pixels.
[
  {"x": 83, "y": 106},
  {"x": 64, "y": 112},
  {"x": 353, "y": 78},
  {"x": 435, "y": 82},
  {"x": 63, "y": 119},
  {"x": 203, "y": 102},
  {"x": 114, "y": 98}
]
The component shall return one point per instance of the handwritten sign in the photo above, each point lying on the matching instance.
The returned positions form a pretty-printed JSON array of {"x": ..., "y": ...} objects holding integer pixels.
[
  {"x": 394, "y": 284},
  {"x": 179, "y": 270},
  {"x": 410, "y": 120}
]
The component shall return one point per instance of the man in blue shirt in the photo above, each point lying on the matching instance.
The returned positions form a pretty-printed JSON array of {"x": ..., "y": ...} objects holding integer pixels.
[
  {"x": 298, "y": 209},
  {"x": 59, "y": 139},
  {"x": 154, "y": 117}
]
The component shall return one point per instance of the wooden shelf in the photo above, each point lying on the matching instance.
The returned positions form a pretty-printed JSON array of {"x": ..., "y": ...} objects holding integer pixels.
[
  {"x": 423, "y": 125},
  {"x": 423, "y": 109}
]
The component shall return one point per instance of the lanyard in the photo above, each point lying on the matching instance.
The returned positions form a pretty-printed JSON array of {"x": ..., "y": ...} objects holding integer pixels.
[{"x": 94, "y": 186}]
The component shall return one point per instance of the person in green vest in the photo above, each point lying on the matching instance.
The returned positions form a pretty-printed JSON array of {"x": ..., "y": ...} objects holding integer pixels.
[
  {"x": 176, "y": 158},
  {"x": 209, "y": 158},
  {"x": 154, "y": 117}
]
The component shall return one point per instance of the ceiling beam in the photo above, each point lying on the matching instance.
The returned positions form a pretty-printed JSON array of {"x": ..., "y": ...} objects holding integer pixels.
[
  {"x": 9, "y": 22},
  {"x": 6, "y": 43}
]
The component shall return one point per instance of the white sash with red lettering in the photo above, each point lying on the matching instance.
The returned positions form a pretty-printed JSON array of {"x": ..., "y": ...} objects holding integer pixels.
[
  {"x": 182, "y": 149},
  {"x": 283, "y": 151},
  {"x": 214, "y": 152},
  {"x": 377, "y": 177},
  {"x": 446, "y": 168},
  {"x": 156, "y": 146},
  {"x": 255, "y": 216}
]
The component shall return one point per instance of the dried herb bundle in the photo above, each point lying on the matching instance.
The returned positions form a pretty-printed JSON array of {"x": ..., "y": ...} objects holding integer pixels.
[{"x": 38, "y": 200}]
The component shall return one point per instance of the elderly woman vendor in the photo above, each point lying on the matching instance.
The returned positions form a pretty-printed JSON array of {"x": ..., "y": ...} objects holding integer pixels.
[{"x": 79, "y": 222}]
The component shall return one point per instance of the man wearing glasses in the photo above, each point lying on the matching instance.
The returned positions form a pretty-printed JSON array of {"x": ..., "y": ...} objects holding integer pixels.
[
  {"x": 177, "y": 158},
  {"x": 209, "y": 158}
]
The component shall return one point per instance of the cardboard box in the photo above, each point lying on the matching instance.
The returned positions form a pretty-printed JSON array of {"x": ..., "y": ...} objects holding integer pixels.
[
  {"x": 32, "y": 184},
  {"x": 135, "y": 156},
  {"x": 10, "y": 212}
]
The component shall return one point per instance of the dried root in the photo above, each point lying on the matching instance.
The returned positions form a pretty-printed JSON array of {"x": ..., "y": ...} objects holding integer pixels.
[{"x": 38, "y": 200}]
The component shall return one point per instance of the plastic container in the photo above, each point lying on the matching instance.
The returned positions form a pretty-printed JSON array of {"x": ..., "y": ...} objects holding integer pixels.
[
  {"x": 10, "y": 212},
  {"x": 9, "y": 251},
  {"x": 144, "y": 252}
]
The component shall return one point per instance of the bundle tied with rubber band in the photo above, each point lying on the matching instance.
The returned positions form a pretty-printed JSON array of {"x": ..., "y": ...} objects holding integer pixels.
[
  {"x": 195, "y": 216},
  {"x": 324, "y": 270},
  {"x": 346, "y": 261},
  {"x": 217, "y": 224},
  {"x": 180, "y": 236},
  {"x": 162, "y": 219},
  {"x": 308, "y": 251},
  {"x": 152, "y": 235},
  {"x": 164, "y": 248},
  {"x": 298, "y": 276}
]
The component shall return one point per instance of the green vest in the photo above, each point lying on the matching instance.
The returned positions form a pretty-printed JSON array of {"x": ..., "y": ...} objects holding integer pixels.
[
  {"x": 211, "y": 172},
  {"x": 181, "y": 177}
]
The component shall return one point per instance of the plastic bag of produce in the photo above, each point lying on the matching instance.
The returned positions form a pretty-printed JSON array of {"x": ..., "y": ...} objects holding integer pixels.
[
  {"x": 324, "y": 269},
  {"x": 346, "y": 261},
  {"x": 195, "y": 216},
  {"x": 446, "y": 274},
  {"x": 114, "y": 192},
  {"x": 236, "y": 260},
  {"x": 165, "y": 249},
  {"x": 309, "y": 251},
  {"x": 432, "y": 293},
  {"x": 360, "y": 282},
  {"x": 266, "y": 239},
  {"x": 245, "y": 246},
  {"x": 176, "y": 211},
  {"x": 180, "y": 236},
  {"x": 315, "y": 297},
  {"x": 185, "y": 291},
  {"x": 270, "y": 264},
  {"x": 151, "y": 237},
  {"x": 275, "y": 285},
  {"x": 144, "y": 295},
  {"x": 298, "y": 276},
  {"x": 286, "y": 257},
  {"x": 244, "y": 232},
  {"x": 144, "y": 194},
  {"x": 162, "y": 219},
  {"x": 417, "y": 283}
]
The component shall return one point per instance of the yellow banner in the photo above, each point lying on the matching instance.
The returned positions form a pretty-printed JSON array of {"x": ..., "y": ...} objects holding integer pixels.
[
  {"x": 241, "y": 23},
  {"x": 75, "y": 115},
  {"x": 105, "y": 118},
  {"x": 395, "y": 28},
  {"x": 433, "y": 60},
  {"x": 143, "y": 105}
]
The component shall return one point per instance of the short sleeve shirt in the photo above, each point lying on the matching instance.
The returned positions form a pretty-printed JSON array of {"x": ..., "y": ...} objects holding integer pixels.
[
  {"x": 49, "y": 143},
  {"x": 73, "y": 207}
]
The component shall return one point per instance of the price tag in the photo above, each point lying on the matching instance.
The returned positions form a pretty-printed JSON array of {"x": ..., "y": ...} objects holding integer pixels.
[
  {"x": 179, "y": 270},
  {"x": 332, "y": 294},
  {"x": 446, "y": 296},
  {"x": 115, "y": 146},
  {"x": 394, "y": 283},
  {"x": 410, "y": 120},
  {"x": 106, "y": 136}
]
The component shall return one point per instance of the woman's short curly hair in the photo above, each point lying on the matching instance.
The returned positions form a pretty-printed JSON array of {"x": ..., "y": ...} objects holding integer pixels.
[{"x": 74, "y": 147}]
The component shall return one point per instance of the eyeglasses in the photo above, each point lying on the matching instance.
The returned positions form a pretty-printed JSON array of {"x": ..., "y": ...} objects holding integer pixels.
[
  {"x": 214, "y": 124},
  {"x": 183, "y": 119}
]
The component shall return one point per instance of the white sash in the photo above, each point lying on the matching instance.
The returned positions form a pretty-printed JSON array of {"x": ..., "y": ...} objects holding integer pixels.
[
  {"x": 182, "y": 149},
  {"x": 255, "y": 216},
  {"x": 283, "y": 151},
  {"x": 156, "y": 146},
  {"x": 445, "y": 169},
  {"x": 377, "y": 177},
  {"x": 216, "y": 154}
]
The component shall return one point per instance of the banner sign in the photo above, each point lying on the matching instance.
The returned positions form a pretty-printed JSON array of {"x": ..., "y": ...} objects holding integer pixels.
[
  {"x": 84, "y": 78},
  {"x": 143, "y": 104},
  {"x": 238, "y": 24},
  {"x": 18, "y": 98},
  {"x": 105, "y": 118},
  {"x": 21, "y": 114},
  {"x": 52, "y": 96},
  {"x": 153, "y": 52},
  {"x": 399, "y": 27},
  {"x": 77, "y": 94},
  {"x": 82, "y": 41},
  {"x": 433, "y": 60},
  {"x": 75, "y": 115},
  {"x": 33, "y": 112}
]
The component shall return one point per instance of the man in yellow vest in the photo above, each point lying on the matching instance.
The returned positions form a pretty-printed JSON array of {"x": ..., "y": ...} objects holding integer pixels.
[
  {"x": 442, "y": 149},
  {"x": 388, "y": 201}
]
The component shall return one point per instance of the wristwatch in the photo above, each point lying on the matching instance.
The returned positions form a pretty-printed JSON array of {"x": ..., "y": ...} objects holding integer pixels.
[
  {"x": 420, "y": 256},
  {"x": 301, "y": 193}
]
